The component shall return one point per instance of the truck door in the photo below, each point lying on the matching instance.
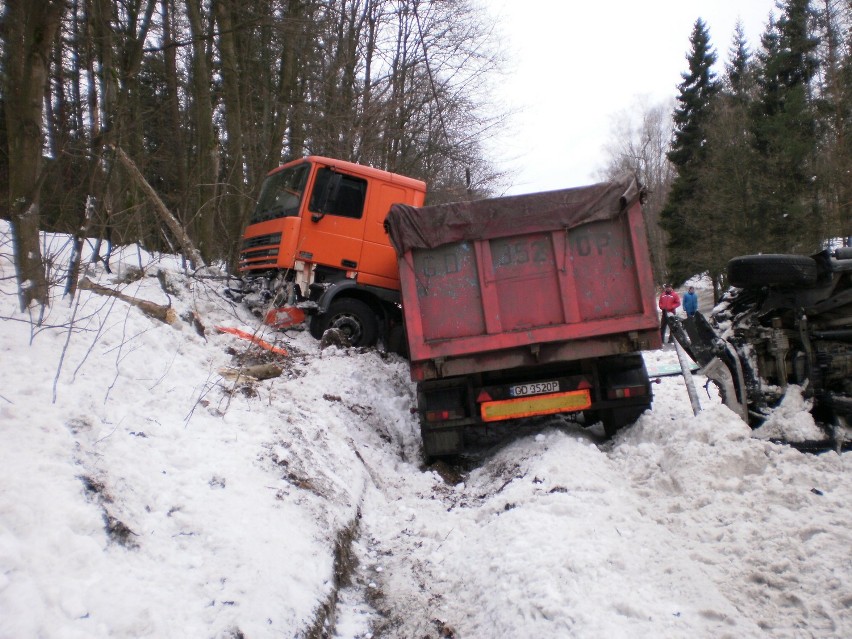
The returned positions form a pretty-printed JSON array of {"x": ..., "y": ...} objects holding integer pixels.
[{"x": 334, "y": 231}]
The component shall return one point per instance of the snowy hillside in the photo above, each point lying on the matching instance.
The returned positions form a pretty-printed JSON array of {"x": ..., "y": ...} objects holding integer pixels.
[{"x": 148, "y": 491}]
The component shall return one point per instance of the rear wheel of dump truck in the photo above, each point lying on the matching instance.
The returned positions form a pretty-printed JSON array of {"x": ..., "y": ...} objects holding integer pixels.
[
  {"x": 352, "y": 317},
  {"x": 626, "y": 379},
  {"x": 614, "y": 419},
  {"x": 773, "y": 269}
]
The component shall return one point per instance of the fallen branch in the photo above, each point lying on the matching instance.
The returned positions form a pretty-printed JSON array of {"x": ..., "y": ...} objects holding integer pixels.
[
  {"x": 165, "y": 314},
  {"x": 170, "y": 220}
]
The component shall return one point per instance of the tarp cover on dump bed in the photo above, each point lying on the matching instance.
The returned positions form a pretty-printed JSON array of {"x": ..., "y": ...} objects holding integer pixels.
[{"x": 432, "y": 226}]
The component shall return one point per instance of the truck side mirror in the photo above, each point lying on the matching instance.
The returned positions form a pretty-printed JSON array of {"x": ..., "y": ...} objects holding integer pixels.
[{"x": 316, "y": 217}]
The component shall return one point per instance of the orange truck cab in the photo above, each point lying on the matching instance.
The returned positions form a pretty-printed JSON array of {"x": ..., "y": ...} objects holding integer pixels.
[{"x": 316, "y": 244}]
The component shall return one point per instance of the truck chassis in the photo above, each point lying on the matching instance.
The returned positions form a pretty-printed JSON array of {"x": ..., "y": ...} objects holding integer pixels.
[{"x": 787, "y": 320}]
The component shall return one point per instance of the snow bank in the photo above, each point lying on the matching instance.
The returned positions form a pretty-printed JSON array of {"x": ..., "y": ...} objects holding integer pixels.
[
  {"x": 148, "y": 494},
  {"x": 144, "y": 495}
]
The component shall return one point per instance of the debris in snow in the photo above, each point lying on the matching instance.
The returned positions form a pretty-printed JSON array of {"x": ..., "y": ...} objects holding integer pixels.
[
  {"x": 334, "y": 337},
  {"x": 165, "y": 314},
  {"x": 253, "y": 338}
]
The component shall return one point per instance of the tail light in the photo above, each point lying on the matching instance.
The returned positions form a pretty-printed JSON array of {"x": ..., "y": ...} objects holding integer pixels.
[
  {"x": 442, "y": 415},
  {"x": 627, "y": 391}
]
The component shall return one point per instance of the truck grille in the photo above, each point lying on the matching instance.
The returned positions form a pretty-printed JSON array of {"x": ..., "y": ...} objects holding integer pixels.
[
  {"x": 252, "y": 255},
  {"x": 262, "y": 240},
  {"x": 264, "y": 258},
  {"x": 252, "y": 258}
]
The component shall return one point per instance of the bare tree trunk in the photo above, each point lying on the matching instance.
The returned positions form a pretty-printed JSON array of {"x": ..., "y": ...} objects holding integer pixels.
[
  {"x": 101, "y": 92},
  {"x": 79, "y": 52},
  {"x": 177, "y": 149},
  {"x": 77, "y": 251},
  {"x": 31, "y": 26},
  {"x": 205, "y": 204},
  {"x": 287, "y": 98},
  {"x": 234, "y": 170},
  {"x": 367, "y": 151},
  {"x": 119, "y": 32}
]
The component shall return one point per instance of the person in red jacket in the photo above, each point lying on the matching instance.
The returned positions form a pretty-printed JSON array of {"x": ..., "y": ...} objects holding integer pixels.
[{"x": 669, "y": 301}]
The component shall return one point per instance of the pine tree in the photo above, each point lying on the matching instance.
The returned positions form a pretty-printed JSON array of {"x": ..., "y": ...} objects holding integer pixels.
[
  {"x": 696, "y": 92},
  {"x": 785, "y": 133},
  {"x": 739, "y": 78},
  {"x": 726, "y": 176},
  {"x": 683, "y": 210}
]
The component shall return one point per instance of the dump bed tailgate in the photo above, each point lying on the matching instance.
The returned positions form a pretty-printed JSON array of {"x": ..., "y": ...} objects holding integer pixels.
[{"x": 535, "y": 278}]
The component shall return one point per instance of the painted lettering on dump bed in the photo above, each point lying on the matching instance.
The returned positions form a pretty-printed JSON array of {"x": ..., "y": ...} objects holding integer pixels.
[
  {"x": 604, "y": 270},
  {"x": 525, "y": 269},
  {"x": 448, "y": 290},
  {"x": 588, "y": 243},
  {"x": 508, "y": 252}
]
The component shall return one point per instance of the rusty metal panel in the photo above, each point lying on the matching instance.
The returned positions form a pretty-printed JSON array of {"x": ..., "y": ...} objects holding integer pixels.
[
  {"x": 604, "y": 270},
  {"x": 537, "y": 296},
  {"x": 527, "y": 286},
  {"x": 448, "y": 292}
]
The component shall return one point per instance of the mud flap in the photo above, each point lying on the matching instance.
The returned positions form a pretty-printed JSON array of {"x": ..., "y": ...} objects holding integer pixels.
[{"x": 438, "y": 442}]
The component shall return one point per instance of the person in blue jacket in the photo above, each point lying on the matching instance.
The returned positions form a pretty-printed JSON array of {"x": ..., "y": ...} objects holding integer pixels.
[{"x": 690, "y": 302}]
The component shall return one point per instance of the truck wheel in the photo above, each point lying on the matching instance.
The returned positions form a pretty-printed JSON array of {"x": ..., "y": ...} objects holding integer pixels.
[
  {"x": 772, "y": 269},
  {"x": 353, "y": 318},
  {"x": 614, "y": 419},
  {"x": 591, "y": 417}
]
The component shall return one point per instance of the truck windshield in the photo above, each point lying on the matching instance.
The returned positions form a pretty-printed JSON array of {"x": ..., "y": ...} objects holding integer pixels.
[{"x": 281, "y": 194}]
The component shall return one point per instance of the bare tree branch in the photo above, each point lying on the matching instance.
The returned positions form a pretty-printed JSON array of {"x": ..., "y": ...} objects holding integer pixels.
[{"x": 161, "y": 209}]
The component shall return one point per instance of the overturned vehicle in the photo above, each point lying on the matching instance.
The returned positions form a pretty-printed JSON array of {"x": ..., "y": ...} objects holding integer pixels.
[{"x": 785, "y": 324}]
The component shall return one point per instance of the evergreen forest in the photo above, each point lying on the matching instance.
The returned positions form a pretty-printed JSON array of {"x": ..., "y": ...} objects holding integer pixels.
[{"x": 761, "y": 154}]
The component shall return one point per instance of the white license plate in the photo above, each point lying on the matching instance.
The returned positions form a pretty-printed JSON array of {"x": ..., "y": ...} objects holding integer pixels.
[{"x": 534, "y": 388}]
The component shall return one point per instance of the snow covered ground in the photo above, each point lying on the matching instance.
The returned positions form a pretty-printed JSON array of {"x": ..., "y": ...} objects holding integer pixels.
[{"x": 146, "y": 492}]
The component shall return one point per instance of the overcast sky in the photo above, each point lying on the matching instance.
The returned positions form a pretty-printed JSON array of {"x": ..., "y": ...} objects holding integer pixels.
[{"x": 574, "y": 65}]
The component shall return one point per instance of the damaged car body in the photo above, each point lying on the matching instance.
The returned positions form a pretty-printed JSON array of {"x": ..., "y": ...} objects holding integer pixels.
[{"x": 786, "y": 320}]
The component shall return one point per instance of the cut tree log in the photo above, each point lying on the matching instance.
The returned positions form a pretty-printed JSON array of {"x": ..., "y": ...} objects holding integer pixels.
[
  {"x": 165, "y": 314},
  {"x": 257, "y": 372}
]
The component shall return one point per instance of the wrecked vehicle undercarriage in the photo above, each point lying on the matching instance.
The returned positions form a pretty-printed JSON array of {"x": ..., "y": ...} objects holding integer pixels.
[{"x": 785, "y": 323}]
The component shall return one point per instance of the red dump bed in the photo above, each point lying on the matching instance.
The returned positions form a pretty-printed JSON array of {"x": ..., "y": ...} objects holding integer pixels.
[{"x": 515, "y": 281}]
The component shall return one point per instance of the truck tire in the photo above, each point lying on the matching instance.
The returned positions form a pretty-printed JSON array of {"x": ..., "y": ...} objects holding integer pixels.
[
  {"x": 772, "y": 269},
  {"x": 628, "y": 370},
  {"x": 353, "y": 318},
  {"x": 614, "y": 419}
]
